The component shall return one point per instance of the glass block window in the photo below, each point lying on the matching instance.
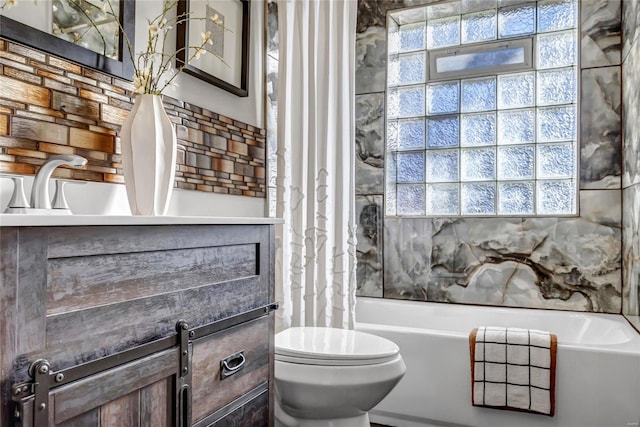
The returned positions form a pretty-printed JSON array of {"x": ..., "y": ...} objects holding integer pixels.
[{"x": 482, "y": 109}]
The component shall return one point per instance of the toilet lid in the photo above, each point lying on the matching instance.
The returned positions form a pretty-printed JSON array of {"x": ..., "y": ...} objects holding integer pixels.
[{"x": 332, "y": 346}]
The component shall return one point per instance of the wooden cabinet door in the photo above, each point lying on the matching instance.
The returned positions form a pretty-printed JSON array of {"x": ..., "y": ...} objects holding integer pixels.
[
  {"x": 136, "y": 394},
  {"x": 216, "y": 393},
  {"x": 74, "y": 296}
]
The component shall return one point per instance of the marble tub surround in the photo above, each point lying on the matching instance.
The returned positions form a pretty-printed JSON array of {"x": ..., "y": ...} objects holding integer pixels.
[
  {"x": 51, "y": 106},
  {"x": 631, "y": 255},
  {"x": 630, "y": 24},
  {"x": 600, "y": 128},
  {"x": 373, "y": 13},
  {"x": 407, "y": 259},
  {"x": 601, "y": 40},
  {"x": 273, "y": 45},
  {"x": 371, "y": 60},
  {"x": 570, "y": 263},
  {"x": 554, "y": 263},
  {"x": 370, "y": 143},
  {"x": 369, "y": 213},
  {"x": 631, "y": 177},
  {"x": 631, "y": 112}
]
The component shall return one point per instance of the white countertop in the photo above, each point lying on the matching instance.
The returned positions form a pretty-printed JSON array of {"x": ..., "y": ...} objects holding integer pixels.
[{"x": 21, "y": 220}]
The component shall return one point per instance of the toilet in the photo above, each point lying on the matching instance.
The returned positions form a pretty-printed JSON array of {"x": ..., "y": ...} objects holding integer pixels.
[{"x": 329, "y": 377}]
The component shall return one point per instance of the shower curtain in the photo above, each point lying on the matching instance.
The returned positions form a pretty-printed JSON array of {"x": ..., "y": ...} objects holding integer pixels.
[{"x": 316, "y": 246}]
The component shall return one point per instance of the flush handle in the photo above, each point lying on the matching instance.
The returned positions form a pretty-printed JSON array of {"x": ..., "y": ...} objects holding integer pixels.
[{"x": 232, "y": 364}]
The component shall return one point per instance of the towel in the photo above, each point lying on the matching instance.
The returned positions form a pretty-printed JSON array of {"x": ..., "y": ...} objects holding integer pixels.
[{"x": 513, "y": 368}]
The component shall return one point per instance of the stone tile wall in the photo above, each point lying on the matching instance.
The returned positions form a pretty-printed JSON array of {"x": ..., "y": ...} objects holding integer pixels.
[
  {"x": 631, "y": 175},
  {"x": 52, "y": 106},
  {"x": 554, "y": 263}
]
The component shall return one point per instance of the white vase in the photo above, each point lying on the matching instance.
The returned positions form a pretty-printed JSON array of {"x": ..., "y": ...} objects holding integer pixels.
[{"x": 149, "y": 146}]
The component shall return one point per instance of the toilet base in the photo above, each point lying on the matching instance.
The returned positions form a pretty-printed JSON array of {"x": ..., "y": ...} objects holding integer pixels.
[{"x": 282, "y": 419}]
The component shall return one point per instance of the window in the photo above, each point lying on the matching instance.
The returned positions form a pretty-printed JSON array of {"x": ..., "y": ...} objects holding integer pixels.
[{"x": 482, "y": 109}]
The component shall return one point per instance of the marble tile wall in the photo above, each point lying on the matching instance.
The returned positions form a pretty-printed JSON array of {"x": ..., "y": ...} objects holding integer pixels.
[
  {"x": 631, "y": 168},
  {"x": 369, "y": 214},
  {"x": 370, "y": 143},
  {"x": 554, "y": 263},
  {"x": 600, "y": 128},
  {"x": 371, "y": 62}
]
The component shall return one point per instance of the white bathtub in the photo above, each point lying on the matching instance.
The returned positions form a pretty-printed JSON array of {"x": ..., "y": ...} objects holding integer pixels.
[{"x": 597, "y": 377}]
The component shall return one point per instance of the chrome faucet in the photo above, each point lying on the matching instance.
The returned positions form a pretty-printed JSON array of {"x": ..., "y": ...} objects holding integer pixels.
[{"x": 40, "y": 189}]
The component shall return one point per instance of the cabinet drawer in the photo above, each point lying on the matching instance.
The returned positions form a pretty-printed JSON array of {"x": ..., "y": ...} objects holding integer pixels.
[
  {"x": 254, "y": 413},
  {"x": 211, "y": 390}
]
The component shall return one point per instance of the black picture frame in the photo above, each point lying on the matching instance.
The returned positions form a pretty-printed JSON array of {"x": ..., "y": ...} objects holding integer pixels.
[
  {"x": 123, "y": 68},
  {"x": 182, "y": 41}
]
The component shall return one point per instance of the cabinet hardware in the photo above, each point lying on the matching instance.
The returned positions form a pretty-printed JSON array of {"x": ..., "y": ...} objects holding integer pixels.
[
  {"x": 35, "y": 393},
  {"x": 40, "y": 371},
  {"x": 232, "y": 364},
  {"x": 183, "y": 383}
]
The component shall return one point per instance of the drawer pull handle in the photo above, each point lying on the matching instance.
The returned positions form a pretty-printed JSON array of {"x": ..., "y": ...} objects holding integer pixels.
[{"x": 232, "y": 364}]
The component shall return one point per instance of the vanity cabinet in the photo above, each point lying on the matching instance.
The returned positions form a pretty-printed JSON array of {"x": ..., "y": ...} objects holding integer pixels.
[{"x": 137, "y": 325}]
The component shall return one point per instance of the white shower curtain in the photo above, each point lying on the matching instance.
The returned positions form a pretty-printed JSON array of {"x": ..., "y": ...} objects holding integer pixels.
[{"x": 316, "y": 253}]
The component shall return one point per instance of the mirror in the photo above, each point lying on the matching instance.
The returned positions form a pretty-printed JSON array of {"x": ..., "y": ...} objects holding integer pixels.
[{"x": 62, "y": 28}]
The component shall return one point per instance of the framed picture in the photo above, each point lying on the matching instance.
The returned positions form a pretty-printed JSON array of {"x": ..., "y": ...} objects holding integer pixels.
[
  {"x": 226, "y": 59},
  {"x": 60, "y": 29}
]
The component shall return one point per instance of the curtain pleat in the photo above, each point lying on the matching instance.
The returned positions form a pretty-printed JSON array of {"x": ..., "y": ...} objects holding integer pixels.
[{"x": 316, "y": 258}]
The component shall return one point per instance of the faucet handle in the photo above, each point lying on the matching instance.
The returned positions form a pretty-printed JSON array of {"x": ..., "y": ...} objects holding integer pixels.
[
  {"x": 59, "y": 200},
  {"x": 18, "y": 199}
]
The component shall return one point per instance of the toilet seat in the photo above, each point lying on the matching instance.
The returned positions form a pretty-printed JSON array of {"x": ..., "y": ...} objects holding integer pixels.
[{"x": 332, "y": 347}]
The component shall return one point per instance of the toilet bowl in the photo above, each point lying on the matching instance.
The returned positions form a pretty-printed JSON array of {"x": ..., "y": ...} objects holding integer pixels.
[{"x": 328, "y": 377}]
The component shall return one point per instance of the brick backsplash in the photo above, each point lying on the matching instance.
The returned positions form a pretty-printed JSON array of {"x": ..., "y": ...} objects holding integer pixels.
[{"x": 51, "y": 106}]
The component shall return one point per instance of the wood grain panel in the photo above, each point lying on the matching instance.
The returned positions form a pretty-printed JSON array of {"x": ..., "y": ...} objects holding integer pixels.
[
  {"x": 156, "y": 403},
  {"x": 83, "y": 138},
  {"x": 29, "y": 53},
  {"x": 115, "y": 115},
  {"x": 27, "y": 415},
  {"x": 268, "y": 256},
  {"x": 210, "y": 392},
  {"x": 24, "y": 73},
  {"x": 251, "y": 409},
  {"x": 65, "y": 65},
  {"x": 75, "y": 105},
  {"x": 97, "y": 390},
  {"x": 31, "y": 291},
  {"x": 88, "y": 419},
  {"x": 121, "y": 412},
  {"x": 45, "y": 147},
  {"x": 110, "y": 289},
  {"x": 272, "y": 365},
  {"x": 4, "y": 124},
  {"x": 17, "y": 168},
  {"x": 8, "y": 284},
  {"x": 26, "y": 153},
  {"x": 24, "y": 92},
  {"x": 39, "y": 130},
  {"x": 253, "y": 414},
  {"x": 150, "y": 406},
  {"x": 83, "y": 282},
  {"x": 99, "y": 240},
  {"x": 120, "y": 326}
]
